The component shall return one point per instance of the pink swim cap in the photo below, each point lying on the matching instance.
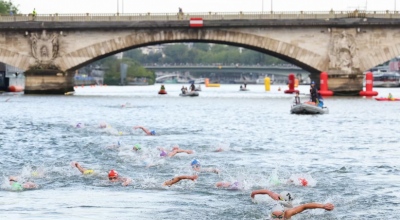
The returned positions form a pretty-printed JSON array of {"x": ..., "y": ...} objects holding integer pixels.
[{"x": 163, "y": 154}]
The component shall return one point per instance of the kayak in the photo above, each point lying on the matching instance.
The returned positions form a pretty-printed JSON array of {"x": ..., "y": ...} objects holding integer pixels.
[
  {"x": 304, "y": 108},
  {"x": 387, "y": 99}
]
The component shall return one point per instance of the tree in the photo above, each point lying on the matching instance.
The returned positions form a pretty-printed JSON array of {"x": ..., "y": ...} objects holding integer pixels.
[
  {"x": 112, "y": 75},
  {"x": 7, "y": 7}
]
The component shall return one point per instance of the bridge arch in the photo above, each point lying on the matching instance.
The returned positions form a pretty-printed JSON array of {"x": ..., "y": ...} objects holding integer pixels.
[{"x": 305, "y": 59}]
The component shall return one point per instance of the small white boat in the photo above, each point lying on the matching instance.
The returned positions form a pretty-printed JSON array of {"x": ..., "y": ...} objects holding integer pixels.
[
  {"x": 305, "y": 108},
  {"x": 189, "y": 94},
  {"x": 69, "y": 93}
]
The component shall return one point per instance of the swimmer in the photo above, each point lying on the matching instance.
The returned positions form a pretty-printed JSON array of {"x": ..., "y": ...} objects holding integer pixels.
[
  {"x": 16, "y": 186},
  {"x": 136, "y": 148},
  {"x": 147, "y": 131},
  {"x": 119, "y": 143},
  {"x": 196, "y": 166},
  {"x": 236, "y": 185},
  {"x": 114, "y": 177},
  {"x": 80, "y": 125},
  {"x": 102, "y": 125},
  {"x": 179, "y": 178},
  {"x": 175, "y": 150},
  {"x": 84, "y": 171},
  {"x": 285, "y": 198},
  {"x": 279, "y": 212}
]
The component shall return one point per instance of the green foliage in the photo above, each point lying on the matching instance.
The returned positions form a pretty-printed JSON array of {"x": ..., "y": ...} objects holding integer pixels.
[
  {"x": 203, "y": 53},
  {"x": 7, "y": 7},
  {"x": 112, "y": 75}
]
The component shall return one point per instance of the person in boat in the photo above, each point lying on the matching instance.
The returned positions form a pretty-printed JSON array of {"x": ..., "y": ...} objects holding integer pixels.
[
  {"x": 17, "y": 186},
  {"x": 279, "y": 212},
  {"x": 285, "y": 198},
  {"x": 297, "y": 98},
  {"x": 241, "y": 87},
  {"x": 390, "y": 97},
  {"x": 320, "y": 100},
  {"x": 313, "y": 92},
  {"x": 192, "y": 87},
  {"x": 162, "y": 87},
  {"x": 147, "y": 131},
  {"x": 245, "y": 85},
  {"x": 183, "y": 90}
]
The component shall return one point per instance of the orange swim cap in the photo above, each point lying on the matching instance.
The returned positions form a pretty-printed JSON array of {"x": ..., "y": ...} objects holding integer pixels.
[{"x": 112, "y": 173}]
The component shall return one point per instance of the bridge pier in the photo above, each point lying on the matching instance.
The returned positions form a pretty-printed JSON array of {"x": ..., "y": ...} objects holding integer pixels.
[
  {"x": 341, "y": 84},
  {"x": 48, "y": 82},
  {"x": 345, "y": 85}
]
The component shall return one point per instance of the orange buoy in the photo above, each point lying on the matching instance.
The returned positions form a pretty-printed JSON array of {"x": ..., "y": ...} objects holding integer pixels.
[{"x": 13, "y": 88}]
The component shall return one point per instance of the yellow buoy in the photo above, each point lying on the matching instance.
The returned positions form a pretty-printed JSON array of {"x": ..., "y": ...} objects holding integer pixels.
[{"x": 267, "y": 84}]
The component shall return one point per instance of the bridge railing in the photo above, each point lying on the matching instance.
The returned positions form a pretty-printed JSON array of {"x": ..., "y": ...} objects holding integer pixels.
[{"x": 85, "y": 17}]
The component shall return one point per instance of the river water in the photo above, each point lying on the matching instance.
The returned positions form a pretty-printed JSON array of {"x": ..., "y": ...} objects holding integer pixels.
[{"x": 350, "y": 156}]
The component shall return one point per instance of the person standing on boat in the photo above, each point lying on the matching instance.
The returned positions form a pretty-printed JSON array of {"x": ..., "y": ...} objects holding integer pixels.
[
  {"x": 192, "y": 87},
  {"x": 297, "y": 98},
  {"x": 313, "y": 92}
]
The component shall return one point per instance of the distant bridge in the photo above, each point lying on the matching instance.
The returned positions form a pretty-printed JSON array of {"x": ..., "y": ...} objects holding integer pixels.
[{"x": 272, "y": 69}]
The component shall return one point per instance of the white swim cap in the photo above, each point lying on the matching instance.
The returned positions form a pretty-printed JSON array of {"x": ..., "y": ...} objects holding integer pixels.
[
  {"x": 286, "y": 196},
  {"x": 278, "y": 208}
]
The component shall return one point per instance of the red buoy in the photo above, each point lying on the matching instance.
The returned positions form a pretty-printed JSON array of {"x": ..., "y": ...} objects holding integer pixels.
[
  {"x": 291, "y": 85},
  {"x": 324, "y": 91},
  {"x": 369, "y": 84},
  {"x": 13, "y": 88}
]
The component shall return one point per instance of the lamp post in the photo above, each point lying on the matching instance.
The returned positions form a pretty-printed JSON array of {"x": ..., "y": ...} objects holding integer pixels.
[
  {"x": 272, "y": 5},
  {"x": 262, "y": 6}
]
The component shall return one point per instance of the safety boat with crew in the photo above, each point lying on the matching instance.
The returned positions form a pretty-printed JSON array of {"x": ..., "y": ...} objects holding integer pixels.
[
  {"x": 193, "y": 93},
  {"x": 309, "y": 107}
]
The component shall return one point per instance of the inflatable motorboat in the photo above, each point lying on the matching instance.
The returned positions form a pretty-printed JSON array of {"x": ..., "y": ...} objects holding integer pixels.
[
  {"x": 308, "y": 108},
  {"x": 189, "y": 94},
  {"x": 387, "y": 99}
]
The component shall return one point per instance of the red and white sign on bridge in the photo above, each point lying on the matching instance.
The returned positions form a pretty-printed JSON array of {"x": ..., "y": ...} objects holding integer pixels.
[{"x": 196, "y": 22}]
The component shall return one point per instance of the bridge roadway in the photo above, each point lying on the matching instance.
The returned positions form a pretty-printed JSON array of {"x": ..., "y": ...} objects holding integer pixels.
[{"x": 276, "y": 70}]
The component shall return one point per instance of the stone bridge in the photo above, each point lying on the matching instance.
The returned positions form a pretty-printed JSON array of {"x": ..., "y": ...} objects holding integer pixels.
[{"x": 343, "y": 44}]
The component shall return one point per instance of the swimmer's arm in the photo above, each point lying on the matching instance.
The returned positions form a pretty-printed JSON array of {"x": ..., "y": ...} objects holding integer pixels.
[
  {"x": 289, "y": 213},
  {"x": 271, "y": 194},
  {"x": 80, "y": 168},
  {"x": 144, "y": 129},
  {"x": 126, "y": 181}
]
